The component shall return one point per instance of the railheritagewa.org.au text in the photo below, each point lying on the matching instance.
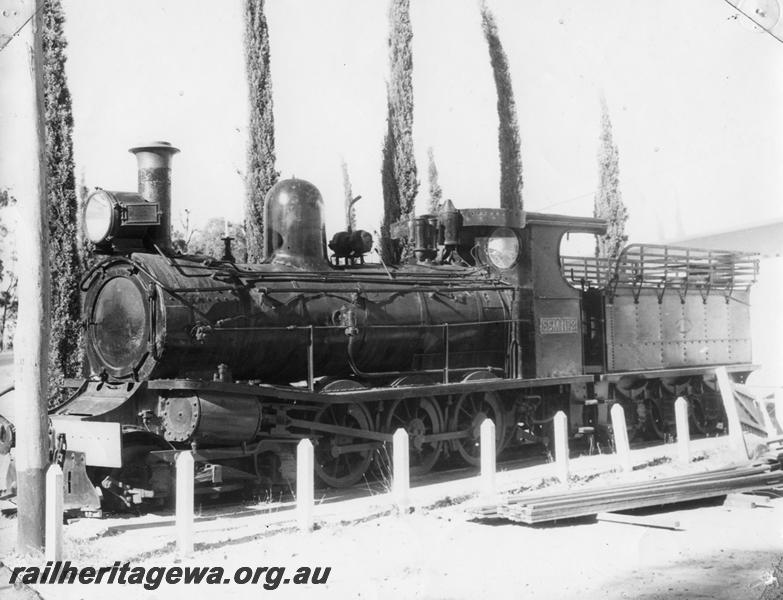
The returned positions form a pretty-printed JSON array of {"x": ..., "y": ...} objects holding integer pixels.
[{"x": 64, "y": 573}]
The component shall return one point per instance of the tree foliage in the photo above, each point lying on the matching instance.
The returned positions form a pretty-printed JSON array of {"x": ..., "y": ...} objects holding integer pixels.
[
  {"x": 608, "y": 203},
  {"x": 6, "y": 200},
  {"x": 182, "y": 235},
  {"x": 64, "y": 355},
  {"x": 391, "y": 194},
  {"x": 9, "y": 301},
  {"x": 9, "y": 309},
  {"x": 86, "y": 247},
  {"x": 261, "y": 174},
  {"x": 208, "y": 240},
  {"x": 350, "y": 211},
  {"x": 398, "y": 171},
  {"x": 509, "y": 145},
  {"x": 436, "y": 193}
]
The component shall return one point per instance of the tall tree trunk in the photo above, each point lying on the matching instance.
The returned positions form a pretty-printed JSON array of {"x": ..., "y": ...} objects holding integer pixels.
[
  {"x": 261, "y": 173},
  {"x": 608, "y": 202},
  {"x": 436, "y": 193},
  {"x": 508, "y": 128},
  {"x": 398, "y": 171}
]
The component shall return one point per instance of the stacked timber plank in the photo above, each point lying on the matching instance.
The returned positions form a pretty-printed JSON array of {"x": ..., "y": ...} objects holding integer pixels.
[{"x": 542, "y": 507}]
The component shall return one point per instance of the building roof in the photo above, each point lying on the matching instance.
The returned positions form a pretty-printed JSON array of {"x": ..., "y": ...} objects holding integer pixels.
[{"x": 765, "y": 239}]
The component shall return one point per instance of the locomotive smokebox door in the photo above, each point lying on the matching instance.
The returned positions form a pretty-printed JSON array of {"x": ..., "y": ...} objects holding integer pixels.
[
  {"x": 294, "y": 231},
  {"x": 121, "y": 336}
]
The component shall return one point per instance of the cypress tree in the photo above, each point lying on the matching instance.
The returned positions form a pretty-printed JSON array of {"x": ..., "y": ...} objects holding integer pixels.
[
  {"x": 261, "y": 173},
  {"x": 398, "y": 172},
  {"x": 64, "y": 355},
  {"x": 608, "y": 202},
  {"x": 391, "y": 193},
  {"x": 350, "y": 211},
  {"x": 508, "y": 127},
  {"x": 436, "y": 193}
]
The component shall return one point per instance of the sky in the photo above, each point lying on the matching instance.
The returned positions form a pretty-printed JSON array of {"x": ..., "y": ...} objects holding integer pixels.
[{"x": 694, "y": 92}]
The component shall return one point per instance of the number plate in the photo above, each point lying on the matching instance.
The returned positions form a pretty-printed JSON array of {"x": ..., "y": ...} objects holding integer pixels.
[{"x": 558, "y": 325}]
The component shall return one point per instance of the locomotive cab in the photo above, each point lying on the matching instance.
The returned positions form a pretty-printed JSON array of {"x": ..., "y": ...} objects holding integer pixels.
[{"x": 523, "y": 250}]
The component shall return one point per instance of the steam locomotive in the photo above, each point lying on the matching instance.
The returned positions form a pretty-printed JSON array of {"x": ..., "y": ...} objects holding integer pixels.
[{"x": 480, "y": 317}]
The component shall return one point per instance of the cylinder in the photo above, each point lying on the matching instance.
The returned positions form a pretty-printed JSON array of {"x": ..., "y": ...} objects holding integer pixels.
[
  {"x": 154, "y": 167},
  {"x": 210, "y": 418}
]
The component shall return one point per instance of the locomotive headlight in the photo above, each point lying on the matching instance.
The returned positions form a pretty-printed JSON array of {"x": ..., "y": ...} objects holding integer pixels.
[
  {"x": 503, "y": 248},
  {"x": 111, "y": 217},
  {"x": 99, "y": 216}
]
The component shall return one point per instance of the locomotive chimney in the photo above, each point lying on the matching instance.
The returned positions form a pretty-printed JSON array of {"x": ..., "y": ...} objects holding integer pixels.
[{"x": 154, "y": 165}]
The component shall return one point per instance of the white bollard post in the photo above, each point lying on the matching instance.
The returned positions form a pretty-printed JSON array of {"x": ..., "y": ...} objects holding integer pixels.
[
  {"x": 488, "y": 455},
  {"x": 736, "y": 439},
  {"x": 401, "y": 470},
  {"x": 184, "y": 503},
  {"x": 305, "y": 485},
  {"x": 683, "y": 433},
  {"x": 54, "y": 513},
  {"x": 621, "y": 445},
  {"x": 561, "y": 446}
]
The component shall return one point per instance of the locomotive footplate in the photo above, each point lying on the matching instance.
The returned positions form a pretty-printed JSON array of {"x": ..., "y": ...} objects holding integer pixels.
[
  {"x": 366, "y": 394},
  {"x": 676, "y": 372}
]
